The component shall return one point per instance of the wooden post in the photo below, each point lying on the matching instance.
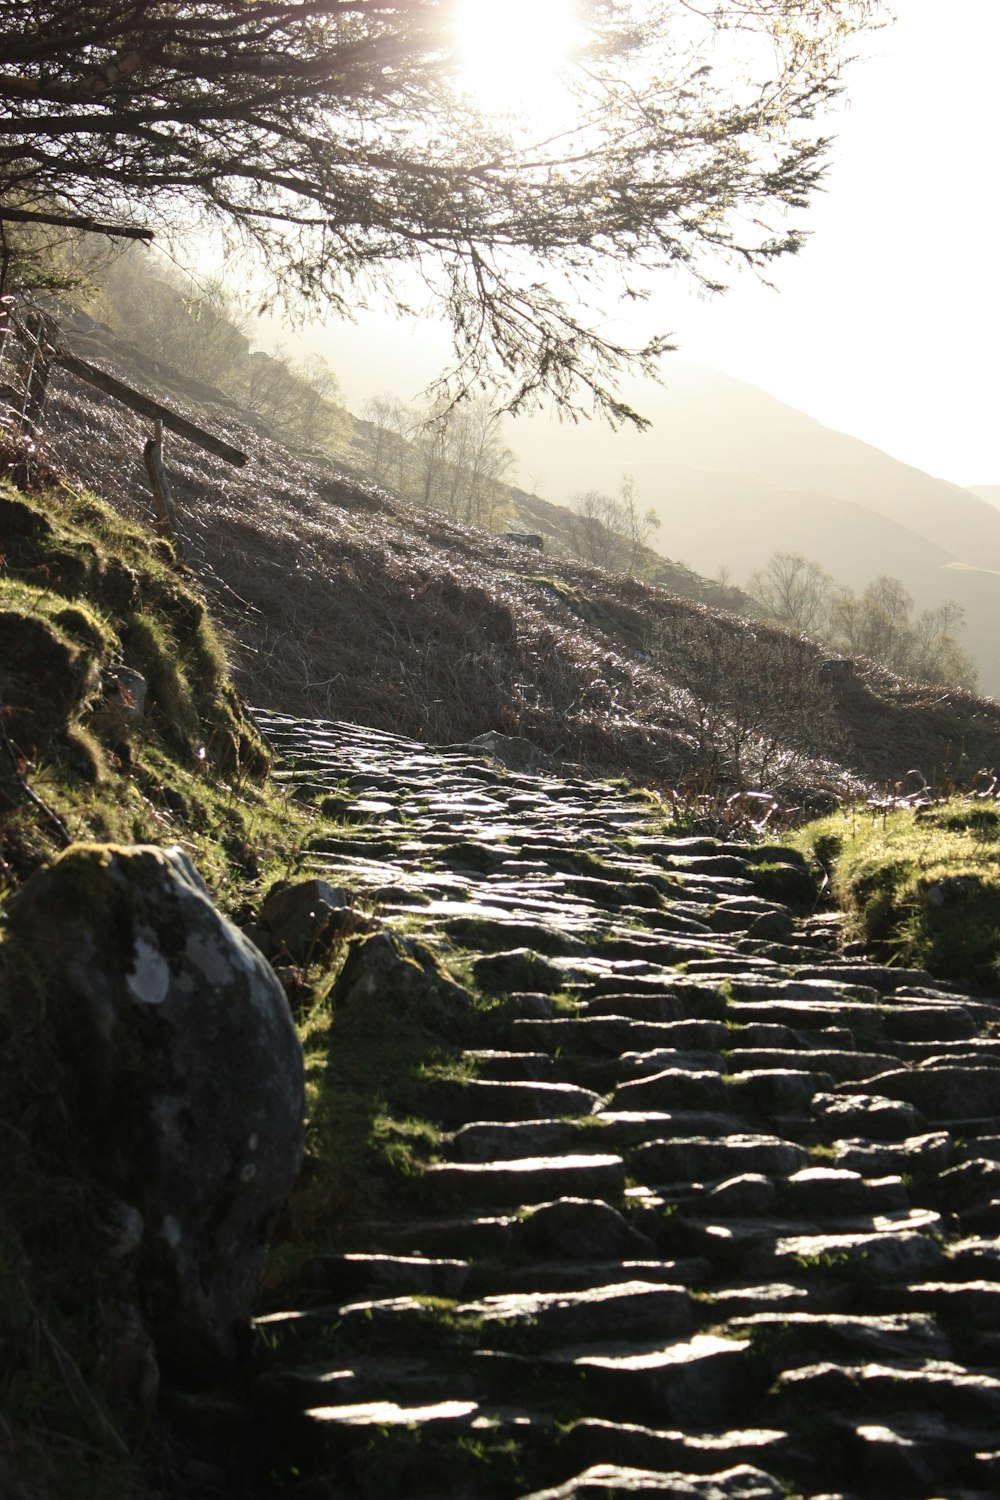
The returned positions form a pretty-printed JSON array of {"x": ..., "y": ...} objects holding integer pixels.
[
  {"x": 7, "y": 393},
  {"x": 41, "y": 334},
  {"x": 163, "y": 500}
]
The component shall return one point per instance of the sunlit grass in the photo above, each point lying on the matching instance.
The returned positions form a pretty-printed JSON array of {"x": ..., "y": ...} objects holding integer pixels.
[{"x": 923, "y": 885}]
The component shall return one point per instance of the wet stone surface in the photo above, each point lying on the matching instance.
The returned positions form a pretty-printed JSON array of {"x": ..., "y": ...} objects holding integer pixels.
[{"x": 714, "y": 1212}]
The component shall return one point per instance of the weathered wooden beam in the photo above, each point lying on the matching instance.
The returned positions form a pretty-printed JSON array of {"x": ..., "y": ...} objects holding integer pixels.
[{"x": 147, "y": 407}]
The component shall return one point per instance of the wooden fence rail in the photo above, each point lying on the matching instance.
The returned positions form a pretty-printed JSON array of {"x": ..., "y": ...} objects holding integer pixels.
[
  {"x": 146, "y": 406},
  {"x": 39, "y": 347}
]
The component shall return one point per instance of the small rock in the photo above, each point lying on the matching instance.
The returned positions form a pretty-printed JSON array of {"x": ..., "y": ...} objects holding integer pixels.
[
  {"x": 306, "y": 918},
  {"x": 513, "y": 752},
  {"x": 583, "y": 1227},
  {"x": 751, "y": 1194},
  {"x": 386, "y": 975}
]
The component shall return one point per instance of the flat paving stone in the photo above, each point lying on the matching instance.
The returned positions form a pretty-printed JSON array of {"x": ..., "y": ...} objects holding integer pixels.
[
  {"x": 707, "y": 1159},
  {"x": 591, "y": 1036},
  {"x": 762, "y": 986},
  {"x": 626, "y": 1128},
  {"x": 836, "y": 1192},
  {"x": 680, "y": 1381},
  {"x": 494, "y": 1140},
  {"x": 741, "y": 1482},
  {"x": 593, "y": 1440},
  {"x": 946, "y": 1093},
  {"x": 878, "y": 1117},
  {"x": 841, "y": 1066},
  {"x": 510, "y": 1067},
  {"x": 808, "y": 1015},
  {"x": 894, "y": 1255},
  {"x": 403, "y": 1379},
  {"x": 750, "y": 1195},
  {"x": 459, "y": 1101},
  {"x": 522, "y": 1180},
  {"x": 781, "y": 1297},
  {"x": 356, "y": 1275},
  {"x": 378, "y": 1415},
  {"x": 787, "y": 1338},
  {"x": 582, "y": 1274},
  {"x": 618, "y": 1310},
  {"x": 963, "y": 1307},
  {"x": 937, "y": 1386},
  {"x": 876, "y": 976},
  {"x": 660, "y": 1004},
  {"x": 344, "y": 1323},
  {"x": 985, "y": 1145},
  {"x": 677, "y": 1088},
  {"x": 930, "y": 1152},
  {"x": 774, "y": 1091},
  {"x": 581, "y": 1228},
  {"x": 920, "y": 1454}
]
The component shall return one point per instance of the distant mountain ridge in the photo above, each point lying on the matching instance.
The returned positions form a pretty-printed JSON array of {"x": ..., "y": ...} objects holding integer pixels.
[{"x": 736, "y": 475}]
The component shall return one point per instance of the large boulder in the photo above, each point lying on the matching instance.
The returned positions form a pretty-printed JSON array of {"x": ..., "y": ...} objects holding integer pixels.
[{"x": 180, "y": 1081}]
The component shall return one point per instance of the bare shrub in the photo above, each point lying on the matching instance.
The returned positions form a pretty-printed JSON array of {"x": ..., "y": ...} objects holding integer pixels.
[
  {"x": 610, "y": 531},
  {"x": 757, "y": 700}
]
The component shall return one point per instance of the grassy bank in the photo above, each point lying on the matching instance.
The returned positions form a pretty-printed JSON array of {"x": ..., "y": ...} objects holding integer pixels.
[
  {"x": 118, "y": 723},
  {"x": 920, "y": 884}
]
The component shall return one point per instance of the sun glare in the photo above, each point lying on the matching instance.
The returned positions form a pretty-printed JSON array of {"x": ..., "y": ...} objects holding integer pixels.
[{"x": 510, "y": 52}]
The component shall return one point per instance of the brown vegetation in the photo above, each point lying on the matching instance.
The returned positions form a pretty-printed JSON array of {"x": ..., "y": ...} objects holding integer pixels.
[{"x": 342, "y": 601}]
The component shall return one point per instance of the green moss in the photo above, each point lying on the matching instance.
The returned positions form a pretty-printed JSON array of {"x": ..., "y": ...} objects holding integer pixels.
[
  {"x": 922, "y": 886},
  {"x": 627, "y": 627},
  {"x": 82, "y": 594},
  {"x": 85, "y": 625},
  {"x": 368, "y": 1137},
  {"x": 792, "y": 885}
]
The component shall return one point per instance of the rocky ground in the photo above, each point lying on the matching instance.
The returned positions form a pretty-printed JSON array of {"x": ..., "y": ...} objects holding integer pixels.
[
  {"x": 714, "y": 1207},
  {"x": 709, "y": 1205}
]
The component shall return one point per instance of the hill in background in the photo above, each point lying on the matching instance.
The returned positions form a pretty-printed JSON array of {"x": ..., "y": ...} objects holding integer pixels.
[{"x": 736, "y": 475}]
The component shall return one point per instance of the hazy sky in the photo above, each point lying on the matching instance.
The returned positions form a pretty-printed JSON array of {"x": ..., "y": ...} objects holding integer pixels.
[{"x": 886, "y": 325}]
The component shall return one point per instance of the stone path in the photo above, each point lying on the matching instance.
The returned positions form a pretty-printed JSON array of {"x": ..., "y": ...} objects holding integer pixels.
[{"x": 727, "y": 1226}]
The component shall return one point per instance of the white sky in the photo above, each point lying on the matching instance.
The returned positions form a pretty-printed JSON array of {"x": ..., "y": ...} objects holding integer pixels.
[{"x": 886, "y": 325}]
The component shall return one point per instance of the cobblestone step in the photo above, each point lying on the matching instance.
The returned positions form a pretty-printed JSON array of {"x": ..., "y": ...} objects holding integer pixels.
[{"x": 715, "y": 1211}]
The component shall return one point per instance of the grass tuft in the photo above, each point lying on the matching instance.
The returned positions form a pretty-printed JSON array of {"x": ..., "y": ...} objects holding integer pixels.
[{"x": 920, "y": 884}]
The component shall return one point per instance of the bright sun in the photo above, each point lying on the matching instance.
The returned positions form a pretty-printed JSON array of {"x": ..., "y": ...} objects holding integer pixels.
[{"x": 510, "y": 51}]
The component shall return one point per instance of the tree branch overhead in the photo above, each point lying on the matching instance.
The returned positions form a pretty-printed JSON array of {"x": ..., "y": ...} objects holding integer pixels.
[{"x": 338, "y": 138}]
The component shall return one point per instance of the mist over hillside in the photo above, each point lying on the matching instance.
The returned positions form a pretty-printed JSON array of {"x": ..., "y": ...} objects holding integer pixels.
[
  {"x": 344, "y": 600},
  {"x": 736, "y": 475}
]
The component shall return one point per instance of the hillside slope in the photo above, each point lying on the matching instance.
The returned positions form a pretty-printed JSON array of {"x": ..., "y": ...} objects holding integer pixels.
[
  {"x": 737, "y": 475},
  {"x": 343, "y": 602}
]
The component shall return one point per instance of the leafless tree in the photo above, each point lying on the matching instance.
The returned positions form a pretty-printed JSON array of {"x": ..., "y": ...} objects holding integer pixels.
[
  {"x": 611, "y": 531},
  {"x": 795, "y": 591}
]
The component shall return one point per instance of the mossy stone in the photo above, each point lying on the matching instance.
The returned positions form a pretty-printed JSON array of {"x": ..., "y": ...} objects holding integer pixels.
[{"x": 43, "y": 680}]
